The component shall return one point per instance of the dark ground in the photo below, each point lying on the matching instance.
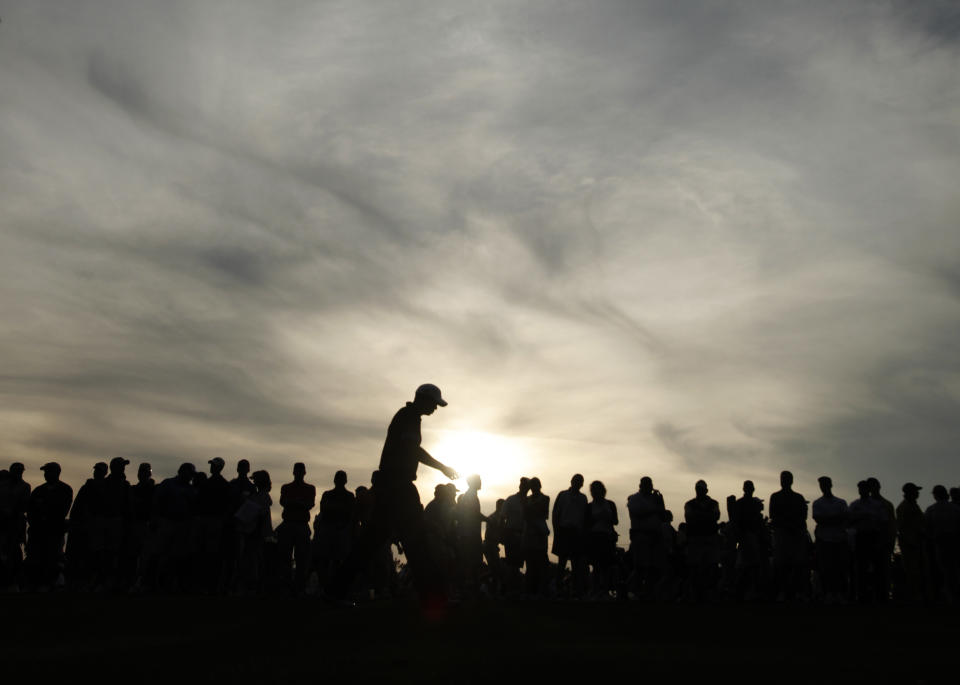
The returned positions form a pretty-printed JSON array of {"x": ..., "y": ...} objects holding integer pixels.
[{"x": 150, "y": 639}]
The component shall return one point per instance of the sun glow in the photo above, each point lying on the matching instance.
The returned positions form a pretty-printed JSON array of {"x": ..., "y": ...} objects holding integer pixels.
[{"x": 499, "y": 460}]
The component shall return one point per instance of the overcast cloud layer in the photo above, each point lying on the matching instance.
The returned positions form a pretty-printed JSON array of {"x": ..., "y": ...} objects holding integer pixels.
[{"x": 670, "y": 238}]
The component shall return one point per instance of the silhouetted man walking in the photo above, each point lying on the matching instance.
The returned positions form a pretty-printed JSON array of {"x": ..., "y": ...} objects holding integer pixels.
[{"x": 398, "y": 513}]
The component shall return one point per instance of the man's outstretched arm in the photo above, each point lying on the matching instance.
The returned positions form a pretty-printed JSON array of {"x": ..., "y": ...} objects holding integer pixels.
[{"x": 425, "y": 458}]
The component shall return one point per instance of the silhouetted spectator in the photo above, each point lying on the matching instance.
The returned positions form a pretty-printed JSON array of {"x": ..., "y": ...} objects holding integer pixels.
[
  {"x": 293, "y": 534},
  {"x": 747, "y": 519},
  {"x": 788, "y": 518},
  {"x": 569, "y": 518},
  {"x": 468, "y": 522},
  {"x": 333, "y": 529},
  {"x": 601, "y": 540},
  {"x": 833, "y": 550},
  {"x": 107, "y": 526},
  {"x": 514, "y": 508},
  {"x": 888, "y": 537},
  {"x": 911, "y": 528},
  {"x": 14, "y": 499},
  {"x": 216, "y": 501},
  {"x": 492, "y": 537},
  {"x": 534, "y": 539},
  {"x": 943, "y": 528},
  {"x": 241, "y": 486},
  {"x": 140, "y": 544},
  {"x": 701, "y": 514},
  {"x": 84, "y": 543},
  {"x": 174, "y": 506},
  {"x": 646, "y": 509},
  {"x": 46, "y": 517},
  {"x": 253, "y": 527},
  {"x": 867, "y": 517}
]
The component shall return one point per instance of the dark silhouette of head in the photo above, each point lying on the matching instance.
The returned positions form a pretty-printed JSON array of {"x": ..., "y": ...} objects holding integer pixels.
[
  {"x": 535, "y": 485},
  {"x": 216, "y": 466},
  {"x": 598, "y": 490},
  {"x": 524, "y": 485},
  {"x": 748, "y": 488},
  {"x": 100, "y": 470},
  {"x": 700, "y": 488},
  {"x": 144, "y": 472},
  {"x": 261, "y": 480},
  {"x": 940, "y": 493},
  {"x": 862, "y": 489},
  {"x": 199, "y": 478},
  {"x": 16, "y": 470},
  {"x": 243, "y": 468},
  {"x": 646, "y": 485},
  {"x": 51, "y": 472},
  {"x": 955, "y": 495},
  {"x": 873, "y": 486},
  {"x": 340, "y": 479},
  {"x": 911, "y": 491},
  {"x": 499, "y": 504},
  {"x": 826, "y": 485},
  {"x": 185, "y": 472},
  {"x": 668, "y": 516},
  {"x": 474, "y": 482},
  {"x": 576, "y": 482},
  {"x": 786, "y": 480},
  {"x": 427, "y": 398},
  {"x": 118, "y": 466},
  {"x": 374, "y": 477},
  {"x": 299, "y": 471}
]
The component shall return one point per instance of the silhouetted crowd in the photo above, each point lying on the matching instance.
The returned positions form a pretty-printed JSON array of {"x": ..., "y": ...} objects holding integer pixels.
[{"x": 200, "y": 533}]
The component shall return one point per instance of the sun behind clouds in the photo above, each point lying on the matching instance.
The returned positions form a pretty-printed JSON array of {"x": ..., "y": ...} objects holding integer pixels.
[{"x": 498, "y": 459}]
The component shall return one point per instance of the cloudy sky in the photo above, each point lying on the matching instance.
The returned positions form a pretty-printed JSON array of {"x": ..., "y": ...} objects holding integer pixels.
[{"x": 677, "y": 239}]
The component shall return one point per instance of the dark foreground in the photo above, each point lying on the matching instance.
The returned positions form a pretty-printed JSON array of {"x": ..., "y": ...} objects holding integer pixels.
[{"x": 153, "y": 639}]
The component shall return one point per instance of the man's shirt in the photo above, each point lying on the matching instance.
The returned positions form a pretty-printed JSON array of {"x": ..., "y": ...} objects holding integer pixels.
[{"x": 401, "y": 453}]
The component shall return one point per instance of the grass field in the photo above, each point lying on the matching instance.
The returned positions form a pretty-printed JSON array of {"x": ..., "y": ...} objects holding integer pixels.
[{"x": 151, "y": 639}]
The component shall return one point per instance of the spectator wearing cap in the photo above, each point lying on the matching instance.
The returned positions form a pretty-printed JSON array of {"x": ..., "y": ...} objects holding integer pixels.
[
  {"x": 46, "y": 517},
  {"x": 215, "y": 509},
  {"x": 911, "y": 532},
  {"x": 832, "y": 551},
  {"x": 85, "y": 541},
  {"x": 943, "y": 527}
]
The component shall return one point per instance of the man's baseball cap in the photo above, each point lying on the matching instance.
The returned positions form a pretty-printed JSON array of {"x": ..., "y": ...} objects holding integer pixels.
[
  {"x": 218, "y": 461},
  {"x": 51, "y": 466},
  {"x": 118, "y": 461},
  {"x": 433, "y": 392},
  {"x": 907, "y": 487}
]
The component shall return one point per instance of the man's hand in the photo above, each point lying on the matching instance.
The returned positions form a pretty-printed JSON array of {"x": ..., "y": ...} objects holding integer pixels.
[{"x": 450, "y": 473}]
